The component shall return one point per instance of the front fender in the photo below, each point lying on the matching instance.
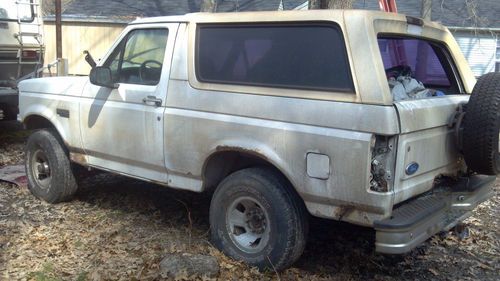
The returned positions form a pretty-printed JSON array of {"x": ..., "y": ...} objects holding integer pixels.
[{"x": 45, "y": 106}]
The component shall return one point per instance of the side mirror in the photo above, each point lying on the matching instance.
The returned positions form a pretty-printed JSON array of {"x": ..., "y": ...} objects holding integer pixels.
[{"x": 101, "y": 76}]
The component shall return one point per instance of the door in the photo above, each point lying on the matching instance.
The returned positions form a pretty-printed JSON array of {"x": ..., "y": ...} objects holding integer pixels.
[
  {"x": 122, "y": 129},
  {"x": 427, "y": 93}
]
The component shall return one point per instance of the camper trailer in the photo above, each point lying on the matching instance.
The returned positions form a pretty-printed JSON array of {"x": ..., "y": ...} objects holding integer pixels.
[{"x": 21, "y": 50}]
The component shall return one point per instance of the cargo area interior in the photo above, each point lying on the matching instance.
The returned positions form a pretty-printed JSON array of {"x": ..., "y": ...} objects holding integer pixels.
[{"x": 417, "y": 68}]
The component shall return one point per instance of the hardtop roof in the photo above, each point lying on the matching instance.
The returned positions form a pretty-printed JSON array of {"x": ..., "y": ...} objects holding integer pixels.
[{"x": 272, "y": 16}]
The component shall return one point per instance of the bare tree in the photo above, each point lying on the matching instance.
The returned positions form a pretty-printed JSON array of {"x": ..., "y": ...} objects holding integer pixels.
[
  {"x": 208, "y": 6},
  {"x": 330, "y": 4},
  {"x": 425, "y": 11},
  {"x": 49, "y": 8}
]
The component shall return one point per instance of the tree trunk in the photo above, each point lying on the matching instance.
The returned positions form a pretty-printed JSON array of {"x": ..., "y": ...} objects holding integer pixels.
[
  {"x": 208, "y": 6},
  {"x": 330, "y": 4},
  {"x": 58, "y": 29},
  {"x": 314, "y": 4},
  {"x": 425, "y": 11},
  {"x": 340, "y": 4}
]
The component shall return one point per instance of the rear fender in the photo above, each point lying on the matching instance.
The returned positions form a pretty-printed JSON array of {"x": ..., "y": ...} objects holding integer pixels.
[{"x": 253, "y": 148}]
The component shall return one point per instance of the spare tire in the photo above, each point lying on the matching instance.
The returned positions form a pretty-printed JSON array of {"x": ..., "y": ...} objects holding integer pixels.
[{"x": 481, "y": 147}]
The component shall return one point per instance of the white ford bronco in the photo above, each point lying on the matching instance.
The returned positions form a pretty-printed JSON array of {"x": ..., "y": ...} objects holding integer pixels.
[{"x": 366, "y": 117}]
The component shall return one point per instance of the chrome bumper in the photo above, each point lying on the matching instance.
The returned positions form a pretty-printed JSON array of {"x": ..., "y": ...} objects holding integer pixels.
[{"x": 414, "y": 221}]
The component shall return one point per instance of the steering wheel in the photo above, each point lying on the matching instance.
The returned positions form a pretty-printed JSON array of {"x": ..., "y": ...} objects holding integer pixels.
[{"x": 144, "y": 67}]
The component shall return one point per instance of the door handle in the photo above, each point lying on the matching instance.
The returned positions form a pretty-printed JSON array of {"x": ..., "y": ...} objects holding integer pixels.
[{"x": 152, "y": 100}]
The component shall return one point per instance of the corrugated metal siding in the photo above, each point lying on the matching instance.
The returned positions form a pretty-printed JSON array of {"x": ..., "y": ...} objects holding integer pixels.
[
  {"x": 479, "y": 50},
  {"x": 77, "y": 37}
]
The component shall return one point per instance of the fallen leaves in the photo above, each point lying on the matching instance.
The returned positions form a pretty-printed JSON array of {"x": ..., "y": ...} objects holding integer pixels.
[
  {"x": 120, "y": 229},
  {"x": 433, "y": 271}
]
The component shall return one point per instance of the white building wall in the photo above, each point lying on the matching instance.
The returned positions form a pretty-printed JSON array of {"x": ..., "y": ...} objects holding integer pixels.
[
  {"x": 96, "y": 37},
  {"x": 479, "y": 50}
]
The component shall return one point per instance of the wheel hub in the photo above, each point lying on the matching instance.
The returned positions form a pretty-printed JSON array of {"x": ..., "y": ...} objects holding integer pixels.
[
  {"x": 248, "y": 224},
  {"x": 41, "y": 169},
  {"x": 256, "y": 221}
]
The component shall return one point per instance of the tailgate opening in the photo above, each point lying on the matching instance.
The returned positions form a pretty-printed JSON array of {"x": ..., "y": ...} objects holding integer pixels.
[{"x": 418, "y": 68}]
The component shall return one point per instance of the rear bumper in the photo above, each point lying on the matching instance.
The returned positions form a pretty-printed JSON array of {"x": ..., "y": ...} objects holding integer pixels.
[
  {"x": 9, "y": 95},
  {"x": 416, "y": 220}
]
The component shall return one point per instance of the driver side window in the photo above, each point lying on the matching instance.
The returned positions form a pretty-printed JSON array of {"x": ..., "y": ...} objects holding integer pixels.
[{"x": 138, "y": 59}]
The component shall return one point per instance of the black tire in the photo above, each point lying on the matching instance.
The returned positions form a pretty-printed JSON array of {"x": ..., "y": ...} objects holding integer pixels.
[
  {"x": 48, "y": 168},
  {"x": 481, "y": 126},
  {"x": 286, "y": 223}
]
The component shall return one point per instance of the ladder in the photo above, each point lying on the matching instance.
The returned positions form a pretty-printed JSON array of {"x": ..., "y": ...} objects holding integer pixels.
[
  {"x": 388, "y": 6},
  {"x": 23, "y": 34},
  {"x": 399, "y": 49}
]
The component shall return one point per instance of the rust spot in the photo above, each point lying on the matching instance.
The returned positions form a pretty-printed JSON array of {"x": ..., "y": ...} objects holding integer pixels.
[
  {"x": 254, "y": 152},
  {"x": 78, "y": 158},
  {"x": 342, "y": 211}
]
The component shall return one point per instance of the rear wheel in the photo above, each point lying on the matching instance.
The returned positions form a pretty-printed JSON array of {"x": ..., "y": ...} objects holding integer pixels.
[
  {"x": 48, "y": 168},
  {"x": 256, "y": 217},
  {"x": 481, "y": 146}
]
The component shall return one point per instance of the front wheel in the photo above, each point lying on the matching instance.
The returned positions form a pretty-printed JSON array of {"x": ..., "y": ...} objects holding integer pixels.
[
  {"x": 257, "y": 218},
  {"x": 48, "y": 168}
]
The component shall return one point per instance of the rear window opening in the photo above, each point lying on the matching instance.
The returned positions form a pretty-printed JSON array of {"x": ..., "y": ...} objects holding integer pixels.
[{"x": 416, "y": 68}]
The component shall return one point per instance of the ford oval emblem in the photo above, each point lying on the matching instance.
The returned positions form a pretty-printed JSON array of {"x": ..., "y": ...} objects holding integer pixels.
[{"x": 412, "y": 168}]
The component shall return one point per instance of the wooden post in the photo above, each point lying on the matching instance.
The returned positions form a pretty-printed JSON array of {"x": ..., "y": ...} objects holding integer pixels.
[{"x": 58, "y": 30}]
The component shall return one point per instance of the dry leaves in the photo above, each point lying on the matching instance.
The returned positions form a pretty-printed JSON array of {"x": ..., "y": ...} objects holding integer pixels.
[{"x": 119, "y": 229}]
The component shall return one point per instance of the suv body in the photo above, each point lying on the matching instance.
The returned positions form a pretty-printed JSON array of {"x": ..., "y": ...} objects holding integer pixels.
[{"x": 216, "y": 104}]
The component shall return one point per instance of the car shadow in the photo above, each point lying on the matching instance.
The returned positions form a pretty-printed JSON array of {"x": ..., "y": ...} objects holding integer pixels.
[
  {"x": 10, "y": 126},
  {"x": 98, "y": 105},
  {"x": 333, "y": 248}
]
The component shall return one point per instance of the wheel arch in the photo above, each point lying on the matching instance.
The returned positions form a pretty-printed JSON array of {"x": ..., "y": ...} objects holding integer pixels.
[
  {"x": 38, "y": 121},
  {"x": 225, "y": 160}
]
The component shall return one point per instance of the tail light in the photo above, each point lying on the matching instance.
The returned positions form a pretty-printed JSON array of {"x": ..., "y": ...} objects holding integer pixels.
[{"x": 28, "y": 54}]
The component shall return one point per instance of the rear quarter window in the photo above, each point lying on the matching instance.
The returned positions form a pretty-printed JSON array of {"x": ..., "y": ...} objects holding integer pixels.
[
  {"x": 417, "y": 68},
  {"x": 419, "y": 55},
  {"x": 298, "y": 56}
]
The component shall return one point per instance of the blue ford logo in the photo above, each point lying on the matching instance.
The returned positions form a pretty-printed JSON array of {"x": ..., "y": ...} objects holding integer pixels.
[{"x": 412, "y": 168}]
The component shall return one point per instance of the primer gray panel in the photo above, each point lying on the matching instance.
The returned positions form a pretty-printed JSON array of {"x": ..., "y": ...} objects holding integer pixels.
[{"x": 382, "y": 120}]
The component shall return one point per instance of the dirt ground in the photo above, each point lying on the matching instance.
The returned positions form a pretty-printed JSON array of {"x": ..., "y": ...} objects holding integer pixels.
[{"x": 119, "y": 229}]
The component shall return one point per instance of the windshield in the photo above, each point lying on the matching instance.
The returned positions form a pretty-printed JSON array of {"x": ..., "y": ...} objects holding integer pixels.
[{"x": 9, "y": 10}]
